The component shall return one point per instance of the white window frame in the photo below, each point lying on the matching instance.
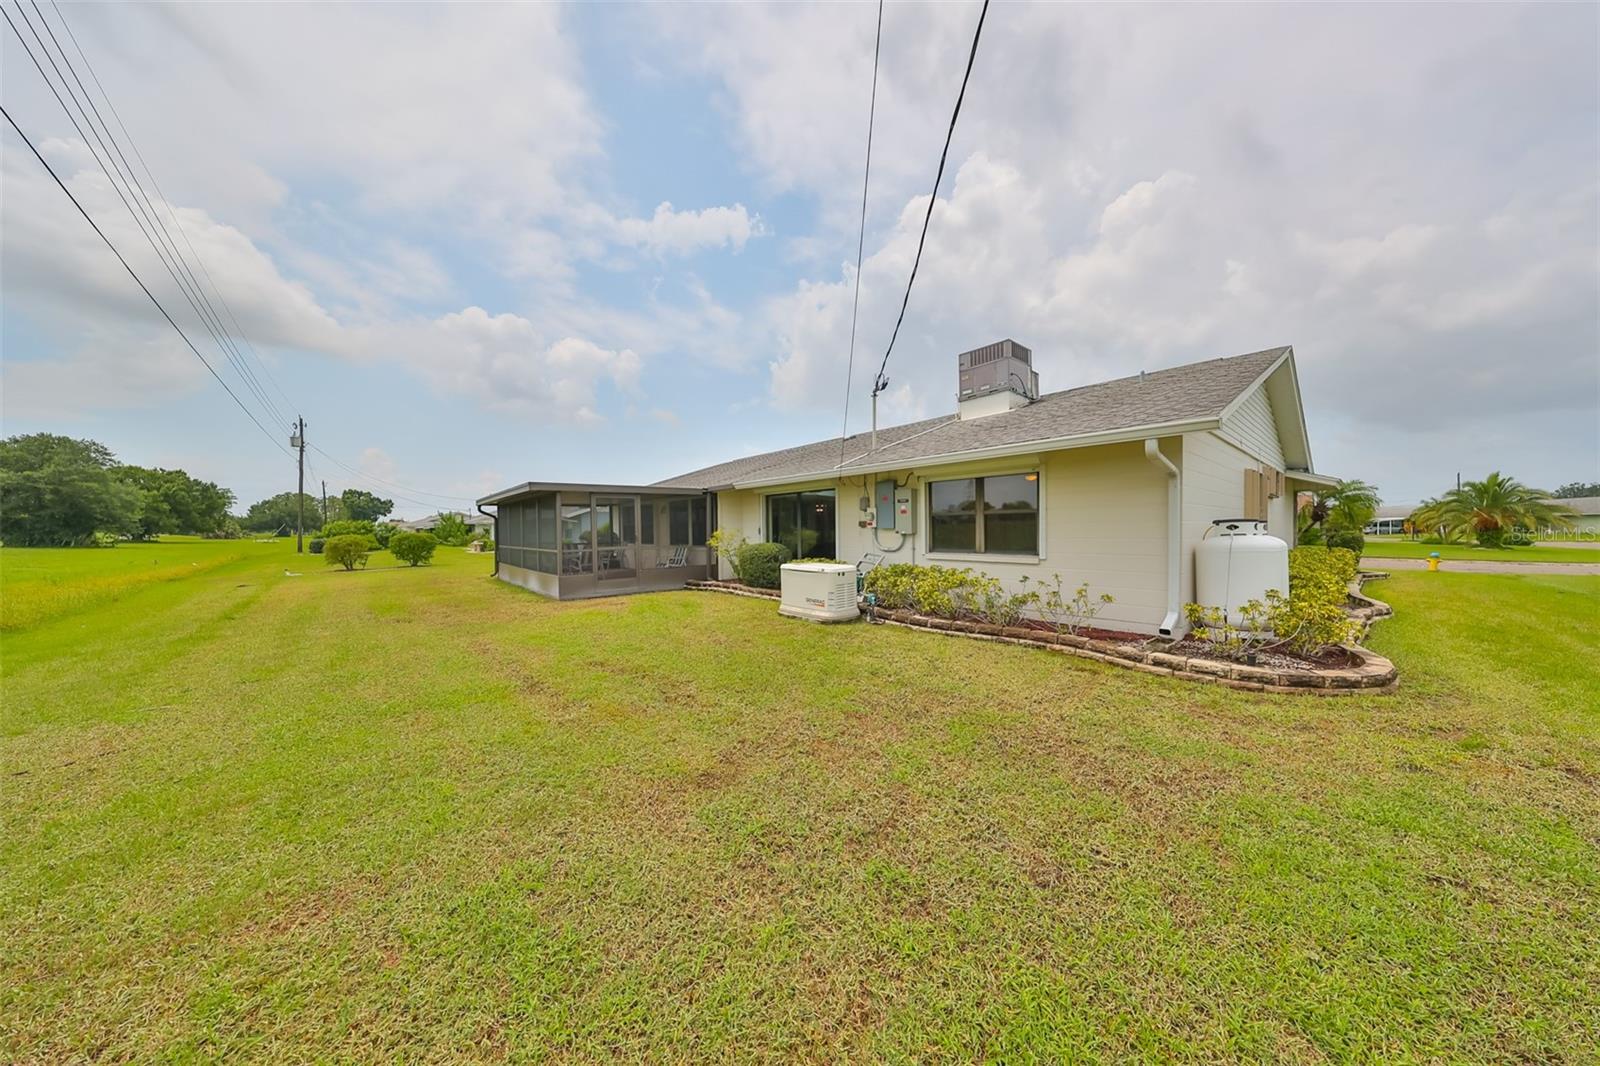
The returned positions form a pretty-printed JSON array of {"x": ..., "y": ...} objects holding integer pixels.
[{"x": 1022, "y": 558}]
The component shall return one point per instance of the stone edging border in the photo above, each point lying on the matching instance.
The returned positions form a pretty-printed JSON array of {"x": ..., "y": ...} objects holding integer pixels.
[{"x": 1374, "y": 674}]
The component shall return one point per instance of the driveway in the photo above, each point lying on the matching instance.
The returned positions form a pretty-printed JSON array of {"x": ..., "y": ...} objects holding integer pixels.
[{"x": 1483, "y": 566}]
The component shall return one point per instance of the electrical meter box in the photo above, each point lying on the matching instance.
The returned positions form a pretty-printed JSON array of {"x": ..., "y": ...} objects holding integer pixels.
[
  {"x": 905, "y": 511},
  {"x": 884, "y": 501}
]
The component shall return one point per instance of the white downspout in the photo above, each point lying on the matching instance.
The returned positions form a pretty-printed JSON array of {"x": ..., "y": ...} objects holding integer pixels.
[{"x": 1172, "y": 625}]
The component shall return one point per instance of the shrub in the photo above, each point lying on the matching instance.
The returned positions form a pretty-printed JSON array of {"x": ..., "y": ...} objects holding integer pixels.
[
  {"x": 1311, "y": 535},
  {"x": 413, "y": 548},
  {"x": 1350, "y": 539},
  {"x": 382, "y": 532},
  {"x": 761, "y": 565},
  {"x": 347, "y": 526},
  {"x": 451, "y": 530},
  {"x": 1491, "y": 538},
  {"x": 315, "y": 545},
  {"x": 726, "y": 543},
  {"x": 1312, "y": 616},
  {"x": 349, "y": 551}
]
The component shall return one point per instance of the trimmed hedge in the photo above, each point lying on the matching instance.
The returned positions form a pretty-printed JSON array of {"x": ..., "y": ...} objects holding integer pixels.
[
  {"x": 761, "y": 565},
  {"x": 348, "y": 551},
  {"x": 413, "y": 548}
]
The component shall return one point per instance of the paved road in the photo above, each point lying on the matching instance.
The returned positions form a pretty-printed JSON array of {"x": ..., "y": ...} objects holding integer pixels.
[{"x": 1482, "y": 566}]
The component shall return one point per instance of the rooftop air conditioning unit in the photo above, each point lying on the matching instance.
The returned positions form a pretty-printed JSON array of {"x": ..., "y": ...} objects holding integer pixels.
[
  {"x": 819, "y": 592},
  {"x": 1003, "y": 365}
]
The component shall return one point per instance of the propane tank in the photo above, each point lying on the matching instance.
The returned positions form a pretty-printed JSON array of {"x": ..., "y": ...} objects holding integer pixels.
[{"x": 1238, "y": 561}]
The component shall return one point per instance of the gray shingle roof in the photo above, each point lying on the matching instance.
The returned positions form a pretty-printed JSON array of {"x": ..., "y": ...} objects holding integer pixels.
[{"x": 1191, "y": 393}]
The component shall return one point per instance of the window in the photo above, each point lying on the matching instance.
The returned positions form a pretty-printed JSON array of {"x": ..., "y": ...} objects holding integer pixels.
[
  {"x": 802, "y": 522},
  {"x": 686, "y": 522},
  {"x": 992, "y": 515}
]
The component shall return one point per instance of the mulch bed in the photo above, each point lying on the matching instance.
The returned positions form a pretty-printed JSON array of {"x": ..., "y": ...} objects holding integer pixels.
[{"x": 1329, "y": 659}]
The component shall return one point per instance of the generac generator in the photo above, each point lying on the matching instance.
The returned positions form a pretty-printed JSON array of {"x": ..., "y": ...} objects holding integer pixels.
[{"x": 819, "y": 592}]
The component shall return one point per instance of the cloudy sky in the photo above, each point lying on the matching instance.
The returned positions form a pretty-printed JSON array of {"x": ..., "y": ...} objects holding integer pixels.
[{"x": 479, "y": 244}]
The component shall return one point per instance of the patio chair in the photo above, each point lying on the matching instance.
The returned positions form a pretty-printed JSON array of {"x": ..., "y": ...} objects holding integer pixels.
[{"x": 679, "y": 557}]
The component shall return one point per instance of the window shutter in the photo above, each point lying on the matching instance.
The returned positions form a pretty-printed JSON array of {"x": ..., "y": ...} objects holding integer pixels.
[{"x": 1255, "y": 495}]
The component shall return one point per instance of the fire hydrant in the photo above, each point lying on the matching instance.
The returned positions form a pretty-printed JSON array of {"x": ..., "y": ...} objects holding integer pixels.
[{"x": 1433, "y": 562}]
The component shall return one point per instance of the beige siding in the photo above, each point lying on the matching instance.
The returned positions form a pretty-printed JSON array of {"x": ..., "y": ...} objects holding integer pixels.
[
  {"x": 1213, "y": 487},
  {"x": 1103, "y": 521},
  {"x": 1253, "y": 429}
]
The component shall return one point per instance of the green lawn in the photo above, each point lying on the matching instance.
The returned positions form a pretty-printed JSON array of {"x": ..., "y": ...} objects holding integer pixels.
[
  {"x": 1534, "y": 553},
  {"x": 422, "y": 815}
]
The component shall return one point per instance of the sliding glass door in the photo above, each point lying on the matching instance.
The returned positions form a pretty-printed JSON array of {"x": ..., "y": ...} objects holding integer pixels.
[{"x": 803, "y": 522}]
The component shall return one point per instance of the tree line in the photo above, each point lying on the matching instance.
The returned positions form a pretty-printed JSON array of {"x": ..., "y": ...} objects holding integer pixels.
[{"x": 59, "y": 491}]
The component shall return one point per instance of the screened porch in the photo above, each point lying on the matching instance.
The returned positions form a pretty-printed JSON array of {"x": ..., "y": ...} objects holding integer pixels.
[{"x": 572, "y": 541}]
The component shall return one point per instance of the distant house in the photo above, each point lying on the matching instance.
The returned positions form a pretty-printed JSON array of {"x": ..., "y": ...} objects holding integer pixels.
[
  {"x": 1111, "y": 484},
  {"x": 477, "y": 523},
  {"x": 1390, "y": 518},
  {"x": 1587, "y": 525}
]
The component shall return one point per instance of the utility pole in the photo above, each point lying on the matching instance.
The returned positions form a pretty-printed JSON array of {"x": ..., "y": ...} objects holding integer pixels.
[
  {"x": 297, "y": 441},
  {"x": 324, "y": 503}
]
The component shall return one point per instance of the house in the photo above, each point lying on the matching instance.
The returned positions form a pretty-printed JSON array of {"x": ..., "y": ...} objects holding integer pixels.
[
  {"x": 1112, "y": 484},
  {"x": 1390, "y": 518},
  {"x": 476, "y": 523},
  {"x": 1586, "y": 526}
]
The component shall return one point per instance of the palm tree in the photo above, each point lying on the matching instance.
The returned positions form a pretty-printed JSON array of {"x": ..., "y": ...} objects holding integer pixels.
[
  {"x": 1490, "y": 508},
  {"x": 1428, "y": 519},
  {"x": 1347, "y": 505}
]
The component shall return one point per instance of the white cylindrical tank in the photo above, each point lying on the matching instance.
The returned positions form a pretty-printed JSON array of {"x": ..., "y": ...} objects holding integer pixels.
[{"x": 1236, "y": 562}]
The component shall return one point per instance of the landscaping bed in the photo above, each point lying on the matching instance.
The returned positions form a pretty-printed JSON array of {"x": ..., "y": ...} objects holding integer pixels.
[
  {"x": 1332, "y": 663},
  {"x": 1361, "y": 671}
]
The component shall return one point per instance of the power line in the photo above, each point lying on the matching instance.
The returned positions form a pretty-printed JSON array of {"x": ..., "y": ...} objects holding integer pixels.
[
  {"x": 95, "y": 77},
  {"x": 142, "y": 209},
  {"x": 391, "y": 484},
  {"x": 861, "y": 240},
  {"x": 880, "y": 382},
  {"x": 146, "y": 289},
  {"x": 144, "y": 214}
]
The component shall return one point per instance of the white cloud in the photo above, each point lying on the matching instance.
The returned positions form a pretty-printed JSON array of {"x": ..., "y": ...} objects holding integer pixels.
[
  {"x": 1413, "y": 204},
  {"x": 680, "y": 232},
  {"x": 505, "y": 363}
]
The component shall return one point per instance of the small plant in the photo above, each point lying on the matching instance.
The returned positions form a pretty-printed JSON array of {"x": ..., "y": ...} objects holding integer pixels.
[
  {"x": 726, "y": 543},
  {"x": 451, "y": 530},
  {"x": 1212, "y": 626},
  {"x": 413, "y": 548},
  {"x": 760, "y": 565},
  {"x": 314, "y": 545},
  {"x": 349, "y": 551},
  {"x": 1070, "y": 614},
  {"x": 986, "y": 598}
]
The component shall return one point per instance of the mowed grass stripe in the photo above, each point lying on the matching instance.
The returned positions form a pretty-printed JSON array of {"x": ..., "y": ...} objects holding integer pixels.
[{"x": 421, "y": 814}]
